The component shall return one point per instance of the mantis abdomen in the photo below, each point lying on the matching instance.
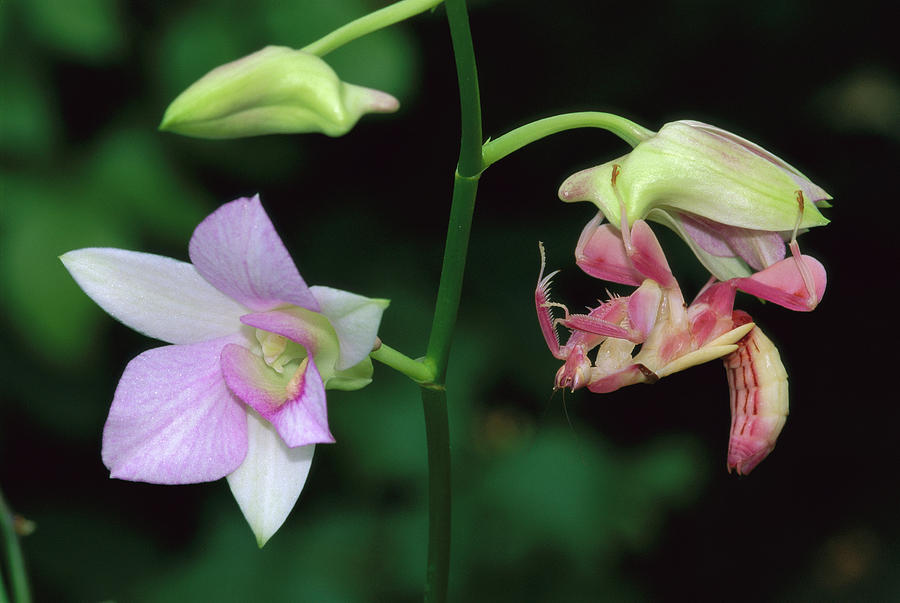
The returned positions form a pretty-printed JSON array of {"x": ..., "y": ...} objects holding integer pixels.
[{"x": 759, "y": 399}]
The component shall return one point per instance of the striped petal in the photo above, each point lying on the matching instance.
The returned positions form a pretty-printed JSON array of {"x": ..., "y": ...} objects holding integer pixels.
[
  {"x": 238, "y": 251},
  {"x": 173, "y": 420},
  {"x": 293, "y": 403}
]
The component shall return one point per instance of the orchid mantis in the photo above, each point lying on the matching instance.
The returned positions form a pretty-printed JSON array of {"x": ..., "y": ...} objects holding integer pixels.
[{"x": 673, "y": 335}]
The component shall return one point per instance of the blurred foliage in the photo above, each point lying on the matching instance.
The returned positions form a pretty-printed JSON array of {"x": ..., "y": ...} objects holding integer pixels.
[{"x": 576, "y": 497}]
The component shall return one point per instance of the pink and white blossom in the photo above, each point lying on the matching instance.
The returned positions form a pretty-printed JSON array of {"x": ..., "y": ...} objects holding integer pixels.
[
  {"x": 240, "y": 392},
  {"x": 734, "y": 203}
]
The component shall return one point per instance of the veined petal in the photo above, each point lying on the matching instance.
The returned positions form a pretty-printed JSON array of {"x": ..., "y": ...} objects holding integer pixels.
[
  {"x": 269, "y": 481},
  {"x": 355, "y": 320},
  {"x": 294, "y": 403},
  {"x": 155, "y": 295},
  {"x": 810, "y": 191},
  {"x": 723, "y": 268},
  {"x": 759, "y": 248},
  {"x": 238, "y": 251},
  {"x": 310, "y": 329},
  {"x": 173, "y": 420}
]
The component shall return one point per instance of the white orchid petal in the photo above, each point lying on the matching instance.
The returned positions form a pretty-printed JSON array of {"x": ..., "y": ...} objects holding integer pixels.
[
  {"x": 269, "y": 481},
  {"x": 155, "y": 295},
  {"x": 355, "y": 320}
]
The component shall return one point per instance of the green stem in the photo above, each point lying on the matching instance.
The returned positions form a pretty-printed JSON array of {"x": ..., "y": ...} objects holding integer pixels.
[
  {"x": 417, "y": 370},
  {"x": 372, "y": 22},
  {"x": 510, "y": 142},
  {"x": 437, "y": 432},
  {"x": 465, "y": 187},
  {"x": 14, "y": 560},
  {"x": 434, "y": 401},
  {"x": 452, "y": 270}
]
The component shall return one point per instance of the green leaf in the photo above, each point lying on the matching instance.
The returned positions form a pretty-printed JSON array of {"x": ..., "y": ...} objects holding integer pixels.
[
  {"x": 28, "y": 119},
  {"x": 129, "y": 178},
  {"x": 87, "y": 29},
  {"x": 55, "y": 318}
]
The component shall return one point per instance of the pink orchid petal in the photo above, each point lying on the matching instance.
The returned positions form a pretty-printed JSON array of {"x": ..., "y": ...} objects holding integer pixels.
[
  {"x": 269, "y": 481},
  {"x": 238, "y": 251},
  {"x": 722, "y": 267},
  {"x": 600, "y": 252},
  {"x": 309, "y": 329},
  {"x": 154, "y": 295},
  {"x": 173, "y": 420},
  {"x": 294, "y": 404},
  {"x": 703, "y": 232},
  {"x": 759, "y": 248}
]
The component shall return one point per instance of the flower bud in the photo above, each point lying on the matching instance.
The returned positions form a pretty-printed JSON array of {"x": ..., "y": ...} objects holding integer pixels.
[
  {"x": 276, "y": 90},
  {"x": 732, "y": 201}
]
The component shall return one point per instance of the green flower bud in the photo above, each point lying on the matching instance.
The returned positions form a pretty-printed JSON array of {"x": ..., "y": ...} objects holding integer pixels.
[
  {"x": 732, "y": 201},
  {"x": 276, "y": 90}
]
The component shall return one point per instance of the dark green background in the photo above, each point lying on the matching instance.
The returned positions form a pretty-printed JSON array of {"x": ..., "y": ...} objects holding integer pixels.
[{"x": 624, "y": 498}]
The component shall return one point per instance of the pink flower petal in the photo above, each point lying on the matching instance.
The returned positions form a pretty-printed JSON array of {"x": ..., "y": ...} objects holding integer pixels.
[
  {"x": 238, "y": 251},
  {"x": 759, "y": 248},
  {"x": 309, "y": 329},
  {"x": 293, "y": 403},
  {"x": 173, "y": 420},
  {"x": 722, "y": 267}
]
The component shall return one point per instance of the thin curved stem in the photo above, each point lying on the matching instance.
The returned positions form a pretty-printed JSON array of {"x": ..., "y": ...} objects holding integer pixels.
[
  {"x": 380, "y": 19},
  {"x": 514, "y": 140},
  {"x": 417, "y": 370}
]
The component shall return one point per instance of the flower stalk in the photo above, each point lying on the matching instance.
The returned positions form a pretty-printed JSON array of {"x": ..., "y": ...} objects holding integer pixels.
[
  {"x": 417, "y": 370},
  {"x": 512, "y": 141},
  {"x": 434, "y": 400},
  {"x": 369, "y": 23}
]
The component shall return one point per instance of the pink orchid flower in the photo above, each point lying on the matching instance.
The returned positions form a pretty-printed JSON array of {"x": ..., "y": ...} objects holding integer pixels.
[
  {"x": 241, "y": 392},
  {"x": 734, "y": 203}
]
